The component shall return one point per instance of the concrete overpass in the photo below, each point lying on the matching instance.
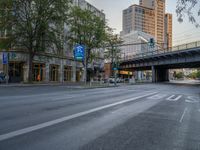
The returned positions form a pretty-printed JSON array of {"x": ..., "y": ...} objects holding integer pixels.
[{"x": 160, "y": 61}]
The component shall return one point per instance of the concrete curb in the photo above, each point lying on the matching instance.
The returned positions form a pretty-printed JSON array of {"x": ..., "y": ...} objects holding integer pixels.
[{"x": 65, "y": 85}]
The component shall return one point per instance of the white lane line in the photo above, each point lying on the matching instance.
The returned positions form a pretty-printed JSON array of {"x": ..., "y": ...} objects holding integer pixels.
[
  {"x": 192, "y": 99},
  {"x": 67, "y": 118},
  {"x": 157, "y": 96},
  {"x": 185, "y": 110},
  {"x": 171, "y": 98}
]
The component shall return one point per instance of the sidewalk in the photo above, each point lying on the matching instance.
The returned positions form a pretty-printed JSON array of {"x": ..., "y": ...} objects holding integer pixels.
[{"x": 70, "y": 85}]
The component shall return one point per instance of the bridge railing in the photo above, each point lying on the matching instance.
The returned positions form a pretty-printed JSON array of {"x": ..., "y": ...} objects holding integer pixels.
[{"x": 163, "y": 51}]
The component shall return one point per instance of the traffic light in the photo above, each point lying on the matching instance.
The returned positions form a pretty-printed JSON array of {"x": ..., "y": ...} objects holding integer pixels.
[{"x": 152, "y": 42}]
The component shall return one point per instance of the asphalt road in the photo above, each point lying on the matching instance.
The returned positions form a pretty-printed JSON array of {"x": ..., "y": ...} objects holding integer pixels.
[{"x": 137, "y": 117}]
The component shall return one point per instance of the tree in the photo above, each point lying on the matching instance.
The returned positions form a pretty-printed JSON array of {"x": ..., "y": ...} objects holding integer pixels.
[
  {"x": 37, "y": 25},
  {"x": 113, "y": 53},
  {"x": 198, "y": 74},
  {"x": 5, "y": 10},
  {"x": 187, "y": 7},
  {"x": 88, "y": 29},
  {"x": 179, "y": 75}
]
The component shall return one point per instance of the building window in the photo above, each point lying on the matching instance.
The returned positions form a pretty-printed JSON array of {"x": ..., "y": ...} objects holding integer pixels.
[
  {"x": 67, "y": 73},
  {"x": 38, "y": 72},
  {"x": 78, "y": 74},
  {"x": 54, "y": 72},
  {"x": 15, "y": 71}
]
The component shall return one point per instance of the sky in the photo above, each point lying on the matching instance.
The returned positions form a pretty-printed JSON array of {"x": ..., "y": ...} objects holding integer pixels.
[{"x": 182, "y": 32}]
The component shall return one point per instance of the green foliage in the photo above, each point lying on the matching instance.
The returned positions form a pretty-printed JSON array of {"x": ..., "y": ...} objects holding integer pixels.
[
  {"x": 198, "y": 74},
  {"x": 179, "y": 75},
  {"x": 86, "y": 28},
  {"x": 4, "y": 43},
  {"x": 112, "y": 53},
  {"x": 34, "y": 25},
  {"x": 187, "y": 8},
  {"x": 194, "y": 75}
]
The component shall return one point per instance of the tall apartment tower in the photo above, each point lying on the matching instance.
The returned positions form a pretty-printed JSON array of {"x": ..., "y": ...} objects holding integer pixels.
[
  {"x": 138, "y": 18},
  {"x": 168, "y": 30},
  {"x": 149, "y": 17},
  {"x": 159, "y": 8}
]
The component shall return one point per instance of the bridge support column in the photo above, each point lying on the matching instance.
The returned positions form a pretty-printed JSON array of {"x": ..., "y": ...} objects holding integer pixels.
[
  {"x": 153, "y": 74},
  {"x": 159, "y": 74},
  {"x": 162, "y": 75}
]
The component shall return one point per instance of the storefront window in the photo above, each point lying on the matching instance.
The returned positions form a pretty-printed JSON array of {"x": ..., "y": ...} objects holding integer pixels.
[
  {"x": 15, "y": 71},
  {"x": 67, "y": 73},
  {"x": 38, "y": 72},
  {"x": 78, "y": 74},
  {"x": 54, "y": 72}
]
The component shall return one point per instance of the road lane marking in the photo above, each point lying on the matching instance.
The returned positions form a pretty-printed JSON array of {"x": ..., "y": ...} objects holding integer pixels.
[
  {"x": 185, "y": 110},
  {"x": 171, "y": 98},
  {"x": 192, "y": 99},
  {"x": 157, "y": 96},
  {"x": 67, "y": 118}
]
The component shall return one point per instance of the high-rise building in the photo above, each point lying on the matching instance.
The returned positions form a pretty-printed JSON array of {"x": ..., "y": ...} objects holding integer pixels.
[
  {"x": 168, "y": 30},
  {"x": 149, "y": 17},
  {"x": 138, "y": 18},
  {"x": 159, "y": 9}
]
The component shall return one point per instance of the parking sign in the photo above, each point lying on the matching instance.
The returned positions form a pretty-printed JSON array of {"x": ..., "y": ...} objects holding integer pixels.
[
  {"x": 5, "y": 58},
  {"x": 79, "y": 52}
]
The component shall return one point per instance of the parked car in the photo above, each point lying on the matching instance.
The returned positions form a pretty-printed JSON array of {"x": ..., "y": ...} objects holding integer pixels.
[{"x": 111, "y": 80}]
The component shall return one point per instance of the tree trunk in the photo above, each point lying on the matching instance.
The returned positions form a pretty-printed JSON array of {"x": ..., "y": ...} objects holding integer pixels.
[{"x": 30, "y": 71}]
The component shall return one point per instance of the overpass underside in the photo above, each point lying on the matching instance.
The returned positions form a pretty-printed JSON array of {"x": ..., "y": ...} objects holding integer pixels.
[{"x": 161, "y": 63}]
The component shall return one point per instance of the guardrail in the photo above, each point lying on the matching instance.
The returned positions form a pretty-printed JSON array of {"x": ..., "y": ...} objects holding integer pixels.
[{"x": 164, "y": 51}]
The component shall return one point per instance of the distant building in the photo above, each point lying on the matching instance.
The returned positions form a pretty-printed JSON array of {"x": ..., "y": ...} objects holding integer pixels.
[
  {"x": 108, "y": 70},
  {"x": 85, "y": 5},
  {"x": 132, "y": 46},
  {"x": 168, "y": 30},
  {"x": 159, "y": 10},
  {"x": 138, "y": 18},
  {"x": 149, "y": 17}
]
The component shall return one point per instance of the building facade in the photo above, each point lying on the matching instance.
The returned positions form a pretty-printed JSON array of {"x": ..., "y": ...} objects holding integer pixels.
[
  {"x": 168, "y": 30},
  {"x": 49, "y": 66},
  {"x": 149, "y": 17},
  {"x": 138, "y": 18},
  {"x": 159, "y": 9},
  {"x": 131, "y": 44}
]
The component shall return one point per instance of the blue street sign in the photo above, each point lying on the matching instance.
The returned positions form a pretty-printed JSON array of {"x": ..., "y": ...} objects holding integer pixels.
[
  {"x": 79, "y": 52},
  {"x": 5, "y": 58},
  {"x": 115, "y": 69}
]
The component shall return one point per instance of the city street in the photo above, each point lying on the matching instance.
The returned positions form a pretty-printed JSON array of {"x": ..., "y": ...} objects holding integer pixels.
[{"x": 131, "y": 117}]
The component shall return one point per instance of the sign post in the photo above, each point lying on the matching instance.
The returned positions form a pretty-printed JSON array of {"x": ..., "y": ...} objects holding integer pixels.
[
  {"x": 5, "y": 62},
  {"x": 5, "y": 58},
  {"x": 80, "y": 55}
]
